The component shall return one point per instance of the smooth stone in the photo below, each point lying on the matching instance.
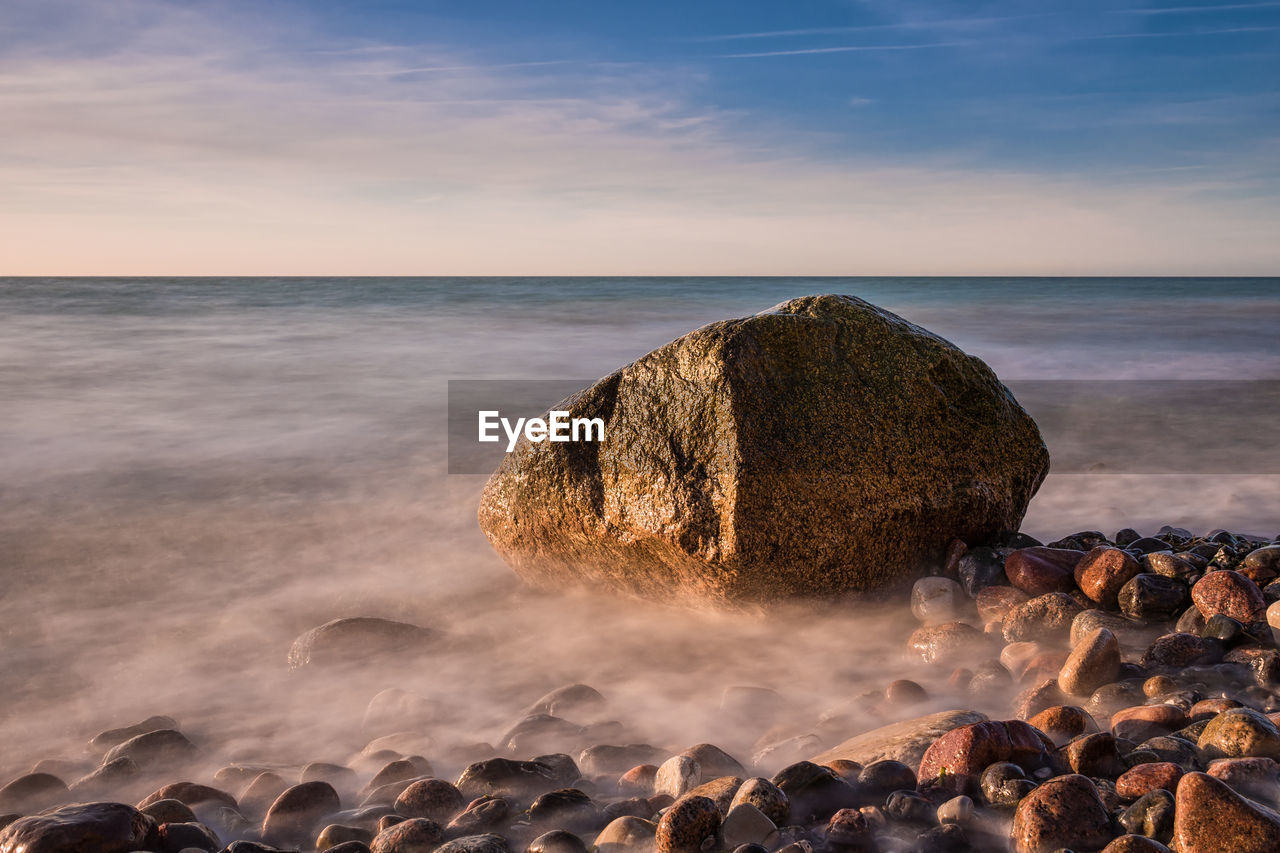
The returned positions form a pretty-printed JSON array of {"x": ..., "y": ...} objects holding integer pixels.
[
  {"x": 1177, "y": 651},
  {"x": 96, "y": 827},
  {"x": 505, "y": 776},
  {"x": 765, "y": 796},
  {"x": 162, "y": 749},
  {"x": 168, "y": 811},
  {"x": 1062, "y": 812},
  {"x": 935, "y": 600},
  {"x": 412, "y": 835},
  {"x": 1003, "y": 784},
  {"x": 337, "y": 833},
  {"x": 32, "y": 793},
  {"x": 435, "y": 799},
  {"x": 1038, "y": 570},
  {"x": 1240, "y": 733},
  {"x": 1169, "y": 565},
  {"x": 963, "y": 753},
  {"x": 482, "y": 815},
  {"x": 262, "y": 792},
  {"x": 1150, "y": 815},
  {"x": 1062, "y": 723},
  {"x": 714, "y": 761},
  {"x": 104, "y": 741},
  {"x": 849, "y": 831},
  {"x": 1149, "y": 597},
  {"x": 1038, "y": 697},
  {"x": 676, "y": 776},
  {"x": 1230, "y": 593},
  {"x": 980, "y": 568},
  {"x": 1140, "y": 780},
  {"x": 192, "y": 794},
  {"x": 948, "y": 643},
  {"x": 189, "y": 836},
  {"x": 956, "y": 810},
  {"x": 1046, "y": 618},
  {"x": 745, "y": 824},
  {"x": 557, "y": 841},
  {"x": 610, "y": 760},
  {"x": 904, "y": 741},
  {"x": 573, "y": 701},
  {"x": 627, "y": 835},
  {"x": 1095, "y": 661},
  {"x": 356, "y": 639},
  {"x": 1103, "y": 571},
  {"x": 687, "y": 825},
  {"x": 567, "y": 808},
  {"x": 1256, "y": 778},
  {"x": 1210, "y": 817},
  {"x": 487, "y": 843},
  {"x": 994, "y": 602},
  {"x": 883, "y": 777},
  {"x": 1095, "y": 755},
  {"x": 294, "y": 815}
]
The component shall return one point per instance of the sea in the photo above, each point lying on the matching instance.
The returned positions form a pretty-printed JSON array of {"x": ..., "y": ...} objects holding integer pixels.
[{"x": 193, "y": 471}]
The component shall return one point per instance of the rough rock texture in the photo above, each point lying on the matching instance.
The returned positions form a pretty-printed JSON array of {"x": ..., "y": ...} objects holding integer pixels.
[
  {"x": 821, "y": 447},
  {"x": 905, "y": 741}
]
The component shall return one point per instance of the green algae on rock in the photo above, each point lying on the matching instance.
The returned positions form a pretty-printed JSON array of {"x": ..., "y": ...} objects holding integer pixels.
[{"x": 819, "y": 448}]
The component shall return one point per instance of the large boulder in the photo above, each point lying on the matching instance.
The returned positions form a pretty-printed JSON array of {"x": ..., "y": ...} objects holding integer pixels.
[{"x": 824, "y": 446}]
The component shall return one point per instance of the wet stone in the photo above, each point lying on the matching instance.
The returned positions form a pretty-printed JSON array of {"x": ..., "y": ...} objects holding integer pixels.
[
  {"x": 1150, "y": 597},
  {"x": 32, "y": 793},
  {"x": 103, "y": 742},
  {"x": 1239, "y": 733},
  {"x": 936, "y": 600},
  {"x": 1064, "y": 722},
  {"x": 687, "y": 826},
  {"x": 994, "y": 602},
  {"x": 168, "y": 811},
  {"x": 1046, "y": 618},
  {"x": 557, "y": 841},
  {"x": 434, "y": 799},
  {"x": 1144, "y": 778},
  {"x": 567, "y": 808},
  {"x": 948, "y": 643},
  {"x": 573, "y": 701},
  {"x": 881, "y": 778},
  {"x": 1150, "y": 815},
  {"x": 608, "y": 760},
  {"x": 1230, "y": 593},
  {"x": 337, "y": 833},
  {"x": 765, "y": 796},
  {"x": 676, "y": 776},
  {"x": 979, "y": 568},
  {"x": 413, "y": 835},
  {"x": 482, "y": 815},
  {"x": 1102, "y": 573},
  {"x": 503, "y": 775},
  {"x": 487, "y": 843},
  {"x": 813, "y": 791},
  {"x": 1038, "y": 570},
  {"x": 1062, "y": 812},
  {"x": 850, "y": 832},
  {"x": 295, "y": 814},
  {"x": 98, "y": 827},
  {"x": 1095, "y": 755},
  {"x": 1211, "y": 817},
  {"x": 351, "y": 640},
  {"x": 626, "y": 835},
  {"x": 155, "y": 750},
  {"x": 745, "y": 824},
  {"x": 1177, "y": 651},
  {"x": 1093, "y": 662},
  {"x": 1169, "y": 565}
]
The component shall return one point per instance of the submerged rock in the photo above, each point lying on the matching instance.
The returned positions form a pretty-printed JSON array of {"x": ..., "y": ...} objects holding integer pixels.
[
  {"x": 355, "y": 639},
  {"x": 822, "y": 447}
]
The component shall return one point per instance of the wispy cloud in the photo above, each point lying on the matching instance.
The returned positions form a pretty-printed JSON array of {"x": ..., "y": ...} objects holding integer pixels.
[
  {"x": 1179, "y": 34},
  {"x": 1191, "y": 10},
  {"x": 916, "y": 24},
  {"x": 850, "y": 48},
  {"x": 159, "y": 138}
]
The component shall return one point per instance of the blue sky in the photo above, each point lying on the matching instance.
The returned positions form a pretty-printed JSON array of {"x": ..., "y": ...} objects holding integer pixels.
[{"x": 867, "y": 136}]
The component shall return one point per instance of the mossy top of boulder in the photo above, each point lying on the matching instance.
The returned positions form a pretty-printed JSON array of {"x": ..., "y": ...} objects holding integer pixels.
[{"x": 824, "y": 446}]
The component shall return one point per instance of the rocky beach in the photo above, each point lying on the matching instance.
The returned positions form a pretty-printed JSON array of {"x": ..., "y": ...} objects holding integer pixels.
[{"x": 273, "y": 631}]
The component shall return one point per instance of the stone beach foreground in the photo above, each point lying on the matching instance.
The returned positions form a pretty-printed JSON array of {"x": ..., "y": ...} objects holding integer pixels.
[{"x": 1145, "y": 685}]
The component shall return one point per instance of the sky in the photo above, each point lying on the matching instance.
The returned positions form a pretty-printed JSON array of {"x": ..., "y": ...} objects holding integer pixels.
[{"x": 842, "y": 137}]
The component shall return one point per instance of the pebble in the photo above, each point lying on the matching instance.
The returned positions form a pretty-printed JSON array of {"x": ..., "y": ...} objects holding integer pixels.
[
  {"x": 1063, "y": 812},
  {"x": 676, "y": 776},
  {"x": 948, "y": 643},
  {"x": 765, "y": 796},
  {"x": 714, "y": 761},
  {"x": 1062, "y": 723},
  {"x": 1230, "y": 593},
  {"x": 1038, "y": 570},
  {"x": 687, "y": 825},
  {"x": 814, "y": 792},
  {"x": 487, "y": 843},
  {"x": 1095, "y": 755},
  {"x": 104, "y": 741},
  {"x": 503, "y": 775},
  {"x": 963, "y": 753},
  {"x": 956, "y": 810},
  {"x": 414, "y": 835},
  {"x": 981, "y": 567},
  {"x": 1150, "y": 815},
  {"x": 1240, "y": 733},
  {"x": 97, "y": 827},
  {"x": 1177, "y": 651},
  {"x": 294, "y": 815},
  {"x": 434, "y": 799},
  {"x": 1093, "y": 662},
  {"x": 337, "y": 833},
  {"x": 350, "y": 640},
  {"x": 849, "y": 831},
  {"x": 639, "y": 780},
  {"x": 1144, "y": 778},
  {"x": 557, "y": 841},
  {"x": 881, "y": 778},
  {"x": 1046, "y": 618},
  {"x": 1150, "y": 597},
  {"x": 626, "y": 835},
  {"x": 580, "y": 702},
  {"x": 1209, "y": 816},
  {"x": 1135, "y": 844},
  {"x": 188, "y": 836},
  {"x": 1103, "y": 571},
  {"x": 32, "y": 793},
  {"x": 159, "y": 749},
  {"x": 936, "y": 600},
  {"x": 1037, "y": 698},
  {"x": 608, "y": 760},
  {"x": 745, "y": 824},
  {"x": 994, "y": 602}
]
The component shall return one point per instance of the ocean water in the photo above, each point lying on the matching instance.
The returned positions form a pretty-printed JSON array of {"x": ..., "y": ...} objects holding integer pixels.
[{"x": 194, "y": 471}]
